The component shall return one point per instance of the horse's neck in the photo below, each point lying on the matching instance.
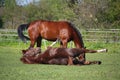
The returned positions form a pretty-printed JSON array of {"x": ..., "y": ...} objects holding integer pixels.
[
  {"x": 41, "y": 56},
  {"x": 38, "y": 58}
]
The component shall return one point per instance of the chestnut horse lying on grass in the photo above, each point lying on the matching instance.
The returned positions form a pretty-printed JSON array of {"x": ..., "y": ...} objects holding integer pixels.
[{"x": 59, "y": 56}]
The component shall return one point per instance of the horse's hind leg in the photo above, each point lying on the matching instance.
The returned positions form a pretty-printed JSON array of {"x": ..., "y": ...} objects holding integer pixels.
[
  {"x": 39, "y": 39},
  {"x": 95, "y": 51}
]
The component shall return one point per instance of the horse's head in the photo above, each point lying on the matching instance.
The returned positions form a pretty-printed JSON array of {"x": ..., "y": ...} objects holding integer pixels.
[
  {"x": 31, "y": 52},
  {"x": 29, "y": 55},
  {"x": 28, "y": 60},
  {"x": 23, "y": 59}
]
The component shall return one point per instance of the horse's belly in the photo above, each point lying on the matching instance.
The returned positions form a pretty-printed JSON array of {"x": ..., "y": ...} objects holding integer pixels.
[
  {"x": 58, "y": 61},
  {"x": 50, "y": 36}
]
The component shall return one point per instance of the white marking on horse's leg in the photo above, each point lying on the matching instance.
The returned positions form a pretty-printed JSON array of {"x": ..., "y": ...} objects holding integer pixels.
[
  {"x": 54, "y": 43},
  {"x": 102, "y": 50}
]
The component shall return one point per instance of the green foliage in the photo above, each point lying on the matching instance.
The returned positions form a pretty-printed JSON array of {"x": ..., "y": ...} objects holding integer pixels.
[
  {"x": 9, "y": 14},
  {"x": 10, "y": 4},
  {"x": 84, "y": 14},
  {"x": 111, "y": 14},
  {"x": 50, "y": 10}
]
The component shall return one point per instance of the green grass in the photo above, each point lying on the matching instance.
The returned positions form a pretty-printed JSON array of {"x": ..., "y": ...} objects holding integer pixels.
[{"x": 12, "y": 69}]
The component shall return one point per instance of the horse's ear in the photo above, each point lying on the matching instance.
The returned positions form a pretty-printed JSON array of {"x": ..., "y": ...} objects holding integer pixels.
[{"x": 24, "y": 51}]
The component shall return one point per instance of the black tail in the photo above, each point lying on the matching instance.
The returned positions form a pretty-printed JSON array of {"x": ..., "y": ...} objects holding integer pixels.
[{"x": 20, "y": 30}]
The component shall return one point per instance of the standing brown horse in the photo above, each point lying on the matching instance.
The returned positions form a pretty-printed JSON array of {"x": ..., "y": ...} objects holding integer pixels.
[{"x": 51, "y": 30}]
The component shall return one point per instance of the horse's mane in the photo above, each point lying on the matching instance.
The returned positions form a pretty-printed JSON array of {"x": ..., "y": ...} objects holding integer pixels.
[{"x": 78, "y": 33}]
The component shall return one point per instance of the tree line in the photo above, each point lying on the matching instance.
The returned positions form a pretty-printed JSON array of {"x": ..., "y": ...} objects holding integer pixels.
[{"x": 85, "y": 14}]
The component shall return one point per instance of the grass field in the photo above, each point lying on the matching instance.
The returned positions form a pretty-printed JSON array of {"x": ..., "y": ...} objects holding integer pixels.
[{"x": 12, "y": 69}]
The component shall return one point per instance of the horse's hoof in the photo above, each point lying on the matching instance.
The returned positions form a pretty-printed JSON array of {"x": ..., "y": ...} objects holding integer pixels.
[
  {"x": 102, "y": 50},
  {"x": 99, "y": 62},
  {"x": 106, "y": 50}
]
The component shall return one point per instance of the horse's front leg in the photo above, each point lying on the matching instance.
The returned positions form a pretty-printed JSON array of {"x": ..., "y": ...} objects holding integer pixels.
[
  {"x": 92, "y": 62},
  {"x": 70, "y": 61},
  {"x": 64, "y": 43},
  {"x": 32, "y": 44}
]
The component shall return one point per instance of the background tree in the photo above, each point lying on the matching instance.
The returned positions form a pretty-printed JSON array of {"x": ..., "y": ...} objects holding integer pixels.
[
  {"x": 9, "y": 13},
  {"x": 1, "y": 23},
  {"x": 1, "y": 12},
  {"x": 110, "y": 16},
  {"x": 85, "y": 14}
]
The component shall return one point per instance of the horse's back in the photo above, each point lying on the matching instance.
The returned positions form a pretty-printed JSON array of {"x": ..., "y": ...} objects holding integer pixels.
[
  {"x": 50, "y": 30},
  {"x": 50, "y": 24}
]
